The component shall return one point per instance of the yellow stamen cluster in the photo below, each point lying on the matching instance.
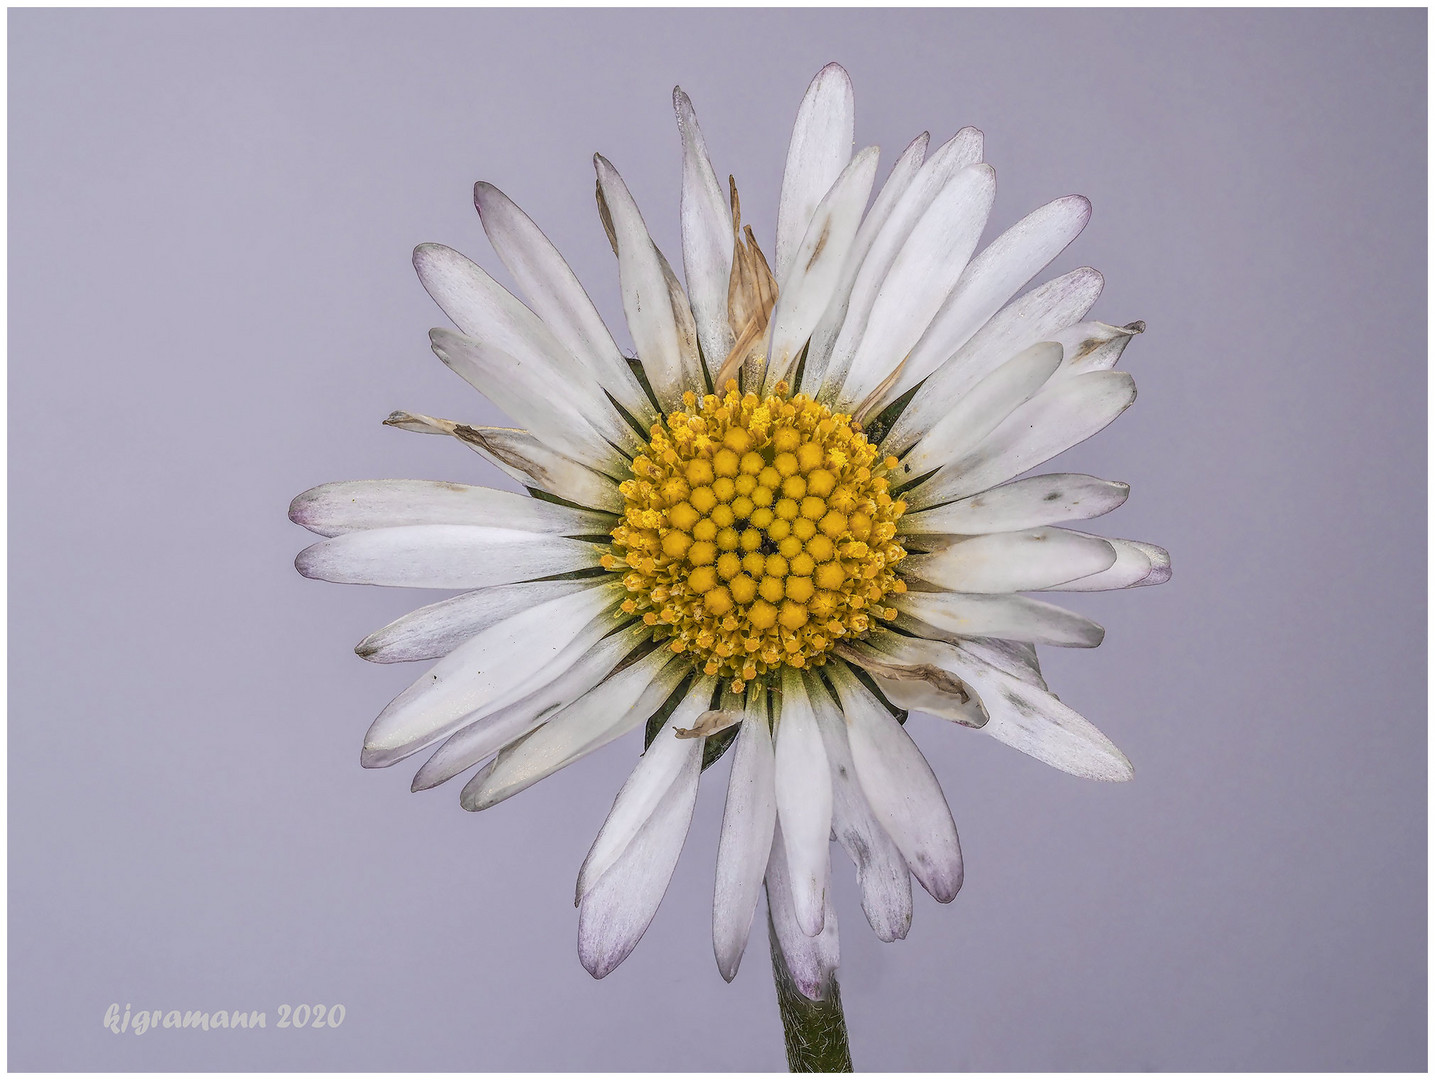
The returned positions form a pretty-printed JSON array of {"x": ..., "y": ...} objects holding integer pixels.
[{"x": 757, "y": 532}]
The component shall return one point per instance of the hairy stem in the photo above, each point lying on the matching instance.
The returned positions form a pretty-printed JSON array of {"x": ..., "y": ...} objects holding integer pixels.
[{"x": 815, "y": 1031}]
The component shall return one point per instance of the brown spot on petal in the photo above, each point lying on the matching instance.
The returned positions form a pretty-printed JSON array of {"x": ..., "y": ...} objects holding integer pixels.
[
  {"x": 821, "y": 243},
  {"x": 928, "y": 673}
]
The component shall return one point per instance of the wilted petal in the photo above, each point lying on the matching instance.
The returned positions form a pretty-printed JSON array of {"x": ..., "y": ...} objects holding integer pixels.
[
  {"x": 1094, "y": 346},
  {"x": 525, "y": 392},
  {"x": 486, "y": 312},
  {"x": 1021, "y": 714},
  {"x": 525, "y": 457},
  {"x": 921, "y": 695}
]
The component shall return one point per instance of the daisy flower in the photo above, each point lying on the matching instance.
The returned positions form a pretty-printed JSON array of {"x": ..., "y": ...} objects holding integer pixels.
[{"x": 799, "y": 511}]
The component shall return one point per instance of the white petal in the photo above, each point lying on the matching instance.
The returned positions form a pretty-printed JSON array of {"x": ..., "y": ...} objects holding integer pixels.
[
  {"x": 746, "y": 839},
  {"x": 812, "y": 961},
  {"x": 1094, "y": 346},
  {"x": 1012, "y": 562},
  {"x": 527, "y": 393},
  {"x": 443, "y": 557},
  {"x": 817, "y": 264},
  {"x": 1036, "y": 723},
  {"x": 1160, "y": 563},
  {"x": 804, "y": 801},
  {"x": 558, "y": 298},
  {"x": 901, "y": 788},
  {"x": 615, "y": 914},
  {"x": 1036, "y": 316},
  {"x": 707, "y": 237},
  {"x": 489, "y": 313},
  {"x": 977, "y": 413},
  {"x": 492, "y": 669},
  {"x": 1136, "y": 564},
  {"x": 898, "y": 181},
  {"x": 820, "y": 148},
  {"x": 350, "y": 505},
  {"x": 1022, "y": 504},
  {"x": 647, "y": 300},
  {"x": 1021, "y": 714},
  {"x": 666, "y": 760},
  {"x": 1064, "y": 413},
  {"x": 989, "y": 281},
  {"x": 958, "y": 153},
  {"x": 611, "y": 709},
  {"x": 532, "y": 462},
  {"x": 492, "y": 731},
  {"x": 923, "y": 274},
  {"x": 881, "y": 871},
  {"x": 1016, "y": 658},
  {"x": 437, "y": 629},
  {"x": 1001, "y": 616},
  {"x": 524, "y": 457},
  {"x": 919, "y": 695}
]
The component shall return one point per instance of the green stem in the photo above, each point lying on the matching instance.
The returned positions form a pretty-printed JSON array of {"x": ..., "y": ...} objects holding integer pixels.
[{"x": 815, "y": 1031}]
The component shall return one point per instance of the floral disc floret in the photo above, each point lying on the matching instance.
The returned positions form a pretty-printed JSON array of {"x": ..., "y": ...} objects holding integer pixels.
[{"x": 757, "y": 532}]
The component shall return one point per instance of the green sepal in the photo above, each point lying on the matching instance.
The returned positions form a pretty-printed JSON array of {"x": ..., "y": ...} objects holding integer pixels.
[
  {"x": 715, "y": 746},
  {"x": 876, "y": 429},
  {"x": 665, "y": 710}
]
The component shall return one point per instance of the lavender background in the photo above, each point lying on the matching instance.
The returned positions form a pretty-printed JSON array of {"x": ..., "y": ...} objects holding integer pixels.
[{"x": 211, "y": 309}]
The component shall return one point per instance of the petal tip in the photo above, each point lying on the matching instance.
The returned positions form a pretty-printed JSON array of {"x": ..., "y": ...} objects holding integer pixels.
[
  {"x": 375, "y": 757},
  {"x": 484, "y": 192},
  {"x": 297, "y": 506},
  {"x": 306, "y": 561},
  {"x": 727, "y": 966},
  {"x": 946, "y": 891}
]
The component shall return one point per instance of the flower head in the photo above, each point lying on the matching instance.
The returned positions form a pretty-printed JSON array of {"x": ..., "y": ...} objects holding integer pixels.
[{"x": 797, "y": 513}]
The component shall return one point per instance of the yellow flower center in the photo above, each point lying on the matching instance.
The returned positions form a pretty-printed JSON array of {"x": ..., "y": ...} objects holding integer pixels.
[{"x": 757, "y": 532}]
